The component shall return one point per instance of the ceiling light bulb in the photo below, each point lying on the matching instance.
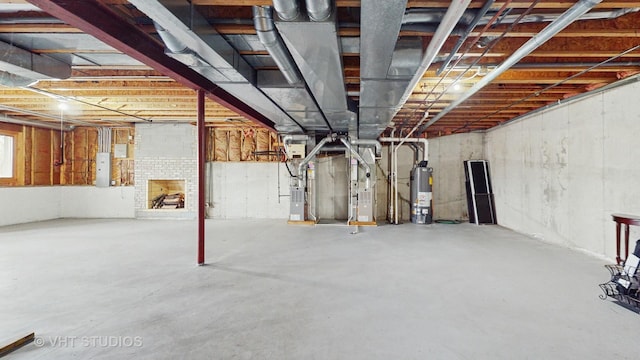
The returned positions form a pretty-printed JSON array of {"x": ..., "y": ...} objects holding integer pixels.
[
  {"x": 62, "y": 106},
  {"x": 456, "y": 87}
]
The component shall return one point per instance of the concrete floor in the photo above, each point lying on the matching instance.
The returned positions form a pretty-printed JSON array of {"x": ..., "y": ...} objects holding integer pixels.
[{"x": 116, "y": 289}]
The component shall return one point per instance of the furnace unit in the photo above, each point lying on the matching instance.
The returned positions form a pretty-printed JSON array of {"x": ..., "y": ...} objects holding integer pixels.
[
  {"x": 296, "y": 209},
  {"x": 421, "y": 195}
]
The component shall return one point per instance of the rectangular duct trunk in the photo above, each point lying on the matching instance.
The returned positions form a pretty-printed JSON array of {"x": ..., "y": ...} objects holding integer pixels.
[{"x": 315, "y": 47}]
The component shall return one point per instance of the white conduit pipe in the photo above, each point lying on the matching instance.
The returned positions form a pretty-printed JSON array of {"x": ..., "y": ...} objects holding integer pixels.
[
  {"x": 394, "y": 157},
  {"x": 368, "y": 142},
  {"x": 423, "y": 141},
  {"x": 392, "y": 208},
  {"x": 536, "y": 41}
]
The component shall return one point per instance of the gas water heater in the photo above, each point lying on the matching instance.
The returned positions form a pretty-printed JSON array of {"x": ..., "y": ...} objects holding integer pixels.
[{"x": 421, "y": 195}]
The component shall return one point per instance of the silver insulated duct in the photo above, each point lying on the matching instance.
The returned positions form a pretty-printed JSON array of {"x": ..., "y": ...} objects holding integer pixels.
[
  {"x": 319, "y": 10},
  {"x": 386, "y": 85},
  {"x": 192, "y": 40},
  {"x": 268, "y": 36},
  {"x": 315, "y": 48}
]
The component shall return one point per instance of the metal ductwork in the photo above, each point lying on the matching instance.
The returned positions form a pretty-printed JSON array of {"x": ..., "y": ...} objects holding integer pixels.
[
  {"x": 303, "y": 164},
  {"x": 19, "y": 67},
  {"x": 427, "y": 16},
  {"x": 39, "y": 124},
  {"x": 449, "y": 22},
  {"x": 315, "y": 48},
  {"x": 268, "y": 36},
  {"x": 380, "y": 92},
  {"x": 356, "y": 155},
  {"x": 568, "y": 17},
  {"x": 13, "y": 80},
  {"x": 288, "y": 10},
  {"x": 318, "y": 10},
  {"x": 413, "y": 16},
  {"x": 192, "y": 40},
  {"x": 385, "y": 85},
  {"x": 368, "y": 143}
]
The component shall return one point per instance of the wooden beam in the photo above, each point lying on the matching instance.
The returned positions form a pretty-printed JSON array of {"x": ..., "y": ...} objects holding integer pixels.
[{"x": 17, "y": 344}]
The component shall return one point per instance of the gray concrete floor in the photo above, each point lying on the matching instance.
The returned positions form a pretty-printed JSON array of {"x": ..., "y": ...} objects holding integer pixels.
[{"x": 116, "y": 289}]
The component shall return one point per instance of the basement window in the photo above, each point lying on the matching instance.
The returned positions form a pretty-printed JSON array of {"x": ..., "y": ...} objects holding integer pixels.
[{"x": 7, "y": 156}]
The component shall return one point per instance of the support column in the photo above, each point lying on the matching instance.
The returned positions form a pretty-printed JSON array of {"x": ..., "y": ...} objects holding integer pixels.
[{"x": 202, "y": 148}]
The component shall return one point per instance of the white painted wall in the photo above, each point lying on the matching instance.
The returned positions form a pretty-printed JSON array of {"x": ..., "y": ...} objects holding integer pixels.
[
  {"x": 27, "y": 204},
  {"x": 247, "y": 190},
  {"x": 559, "y": 174},
  {"x": 38, "y": 203},
  {"x": 95, "y": 202}
]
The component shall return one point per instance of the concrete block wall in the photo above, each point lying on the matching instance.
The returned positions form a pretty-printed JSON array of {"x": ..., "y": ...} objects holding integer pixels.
[
  {"x": 247, "y": 190},
  {"x": 559, "y": 174},
  {"x": 166, "y": 151}
]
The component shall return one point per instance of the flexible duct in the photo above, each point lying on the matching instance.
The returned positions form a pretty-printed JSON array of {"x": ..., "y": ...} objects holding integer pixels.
[
  {"x": 536, "y": 41},
  {"x": 268, "y": 36}
]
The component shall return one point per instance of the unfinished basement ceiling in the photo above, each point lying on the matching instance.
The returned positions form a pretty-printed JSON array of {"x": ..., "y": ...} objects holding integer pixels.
[{"x": 365, "y": 67}]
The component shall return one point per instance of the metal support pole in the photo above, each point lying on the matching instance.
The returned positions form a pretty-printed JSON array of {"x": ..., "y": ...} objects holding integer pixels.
[{"x": 202, "y": 147}]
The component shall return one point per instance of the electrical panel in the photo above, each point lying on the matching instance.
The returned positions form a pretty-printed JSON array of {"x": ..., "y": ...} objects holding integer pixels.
[{"x": 103, "y": 169}]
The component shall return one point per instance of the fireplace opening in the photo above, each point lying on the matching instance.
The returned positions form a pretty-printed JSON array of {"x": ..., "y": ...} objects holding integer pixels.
[{"x": 166, "y": 194}]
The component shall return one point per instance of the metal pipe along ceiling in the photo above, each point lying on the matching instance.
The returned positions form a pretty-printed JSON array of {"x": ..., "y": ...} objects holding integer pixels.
[
  {"x": 268, "y": 36},
  {"x": 536, "y": 41},
  {"x": 487, "y": 5},
  {"x": 449, "y": 22},
  {"x": 423, "y": 141}
]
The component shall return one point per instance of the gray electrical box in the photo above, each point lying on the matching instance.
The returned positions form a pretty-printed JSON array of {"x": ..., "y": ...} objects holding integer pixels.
[
  {"x": 103, "y": 169},
  {"x": 296, "y": 210}
]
